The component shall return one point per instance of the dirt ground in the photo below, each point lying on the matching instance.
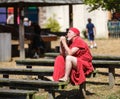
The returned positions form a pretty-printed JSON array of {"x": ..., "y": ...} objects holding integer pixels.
[
  {"x": 105, "y": 46},
  {"x": 97, "y": 88}
]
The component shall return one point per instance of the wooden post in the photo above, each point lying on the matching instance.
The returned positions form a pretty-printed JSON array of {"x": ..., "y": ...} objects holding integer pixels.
[
  {"x": 70, "y": 15},
  {"x": 51, "y": 95},
  {"x": 82, "y": 88},
  {"x": 111, "y": 77},
  {"x": 15, "y": 15},
  {"x": 21, "y": 34},
  {"x": 29, "y": 67},
  {"x": 5, "y": 76}
]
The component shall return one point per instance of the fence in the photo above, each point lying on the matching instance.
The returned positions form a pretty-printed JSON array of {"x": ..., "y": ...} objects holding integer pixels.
[{"x": 114, "y": 29}]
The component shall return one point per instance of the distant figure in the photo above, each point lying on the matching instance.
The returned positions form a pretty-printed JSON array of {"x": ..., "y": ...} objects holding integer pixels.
[
  {"x": 37, "y": 44},
  {"x": 10, "y": 19},
  {"x": 91, "y": 31},
  {"x": 26, "y": 21}
]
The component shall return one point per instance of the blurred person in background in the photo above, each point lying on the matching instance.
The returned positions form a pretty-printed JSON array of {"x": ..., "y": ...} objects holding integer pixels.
[
  {"x": 10, "y": 19},
  {"x": 91, "y": 32}
]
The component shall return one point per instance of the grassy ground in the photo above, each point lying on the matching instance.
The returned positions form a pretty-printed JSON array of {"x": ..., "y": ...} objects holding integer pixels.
[{"x": 97, "y": 87}]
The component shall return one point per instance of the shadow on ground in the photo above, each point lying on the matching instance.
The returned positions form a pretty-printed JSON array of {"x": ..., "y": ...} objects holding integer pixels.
[{"x": 72, "y": 94}]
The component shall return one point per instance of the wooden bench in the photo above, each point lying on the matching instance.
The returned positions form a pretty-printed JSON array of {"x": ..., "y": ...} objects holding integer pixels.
[
  {"x": 43, "y": 62},
  {"x": 95, "y": 57},
  {"x": 16, "y": 94},
  {"x": 35, "y": 62},
  {"x": 49, "y": 86},
  {"x": 34, "y": 84},
  {"x": 26, "y": 71},
  {"x": 110, "y": 64}
]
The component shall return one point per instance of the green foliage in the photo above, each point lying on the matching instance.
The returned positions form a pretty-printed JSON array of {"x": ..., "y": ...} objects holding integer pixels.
[
  {"x": 53, "y": 24},
  {"x": 84, "y": 33},
  {"x": 111, "y": 5}
]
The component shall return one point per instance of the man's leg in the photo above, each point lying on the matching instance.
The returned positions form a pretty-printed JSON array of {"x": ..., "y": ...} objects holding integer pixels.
[{"x": 71, "y": 62}]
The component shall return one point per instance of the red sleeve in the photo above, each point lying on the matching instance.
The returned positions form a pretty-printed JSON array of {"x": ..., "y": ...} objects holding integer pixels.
[{"x": 79, "y": 43}]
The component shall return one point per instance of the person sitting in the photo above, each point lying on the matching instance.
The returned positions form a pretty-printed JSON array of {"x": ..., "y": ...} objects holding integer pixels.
[
  {"x": 37, "y": 44},
  {"x": 75, "y": 59}
]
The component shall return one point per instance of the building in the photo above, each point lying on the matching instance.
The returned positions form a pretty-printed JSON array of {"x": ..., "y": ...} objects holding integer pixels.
[{"x": 80, "y": 15}]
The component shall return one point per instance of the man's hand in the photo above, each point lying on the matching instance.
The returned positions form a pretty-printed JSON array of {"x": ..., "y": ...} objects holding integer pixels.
[{"x": 63, "y": 39}]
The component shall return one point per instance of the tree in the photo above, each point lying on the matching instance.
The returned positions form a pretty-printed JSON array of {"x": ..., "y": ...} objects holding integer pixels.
[{"x": 110, "y": 5}]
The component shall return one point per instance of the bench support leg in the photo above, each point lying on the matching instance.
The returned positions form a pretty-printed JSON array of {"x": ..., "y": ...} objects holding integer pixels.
[
  {"x": 29, "y": 67},
  {"x": 111, "y": 77},
  {"x": 82, "y": 89},
  {"x": 5, "y": 76},
  {"x": 29, "y": 96},
  {"x": 51, "y": 95}
]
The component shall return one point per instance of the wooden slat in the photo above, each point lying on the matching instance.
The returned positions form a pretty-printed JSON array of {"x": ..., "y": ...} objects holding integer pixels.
[
  {"x": 26, "y": 71},
  {"x": 95, "y": 57},
  {"x": 40, "y": 62},
  {"x": 32, "y": 84},
  {"x": 50, "y": 62},
  {"x": 106, "y": 64},
  {"x": 16, "y": 92}
]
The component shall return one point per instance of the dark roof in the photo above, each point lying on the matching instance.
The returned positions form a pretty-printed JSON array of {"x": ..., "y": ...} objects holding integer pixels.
[{"x": 38, "y": 2}]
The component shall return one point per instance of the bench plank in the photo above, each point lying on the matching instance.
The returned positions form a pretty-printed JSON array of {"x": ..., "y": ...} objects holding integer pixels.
[
  {"x": 95, "y": 57},
  {"x": 15, "y": 93},
  {"x": 40, "y": 73},
  {"x": 27, "y": 71},
  {"x": 106, "y": 64},
  {"x": 40, "y": 62},
  {"x": 49, "y": 86},
  {"x": 33, "y": 84},
  {"x": 50, "y": 62}
]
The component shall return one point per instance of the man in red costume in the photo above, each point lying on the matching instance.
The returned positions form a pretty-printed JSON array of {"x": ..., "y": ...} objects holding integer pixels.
[{"x": 75, "y": 59}]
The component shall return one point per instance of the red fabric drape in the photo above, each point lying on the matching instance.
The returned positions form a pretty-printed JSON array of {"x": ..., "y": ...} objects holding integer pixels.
[{"x": 59, "y": 68}]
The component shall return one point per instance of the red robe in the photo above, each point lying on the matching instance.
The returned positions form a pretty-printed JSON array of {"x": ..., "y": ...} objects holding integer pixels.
[{"x": 84, "y": 63}]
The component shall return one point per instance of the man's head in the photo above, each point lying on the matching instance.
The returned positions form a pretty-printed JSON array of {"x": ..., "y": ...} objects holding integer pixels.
[
  {"x": 89, "y": 20},
  {"x": 72, "y": 33}
]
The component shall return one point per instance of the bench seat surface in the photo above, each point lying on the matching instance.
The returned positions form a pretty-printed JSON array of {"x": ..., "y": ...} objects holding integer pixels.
[
  {"x": 31, "y": 83},
  {"x": 27, "y": 71},
  {"x": 50, "y": 62},
  {"x": 95, "y": 57},
  {"x": 16, "y": 91}
]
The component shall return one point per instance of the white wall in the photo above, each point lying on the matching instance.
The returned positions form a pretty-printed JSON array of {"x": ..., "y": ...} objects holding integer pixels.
[
  {"x": 61, "y": 13},
  {"x": 101, "y": 23},
  {"x": 99, "y": 18},
  {"x": 80, "y": 16}
]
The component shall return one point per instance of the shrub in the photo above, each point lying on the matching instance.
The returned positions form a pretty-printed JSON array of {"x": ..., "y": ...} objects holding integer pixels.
[{"x": 52, "y": 24}]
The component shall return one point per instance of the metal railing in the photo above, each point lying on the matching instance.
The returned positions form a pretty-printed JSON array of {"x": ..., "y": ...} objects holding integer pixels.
[{"x": 114, "y": 29}]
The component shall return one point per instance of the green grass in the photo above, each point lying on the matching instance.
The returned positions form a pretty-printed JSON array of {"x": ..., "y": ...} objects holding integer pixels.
[{"x": 114, "y": 95}]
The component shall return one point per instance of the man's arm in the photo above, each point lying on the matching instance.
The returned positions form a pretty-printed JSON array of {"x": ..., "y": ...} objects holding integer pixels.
[
  {"x": 94, "y": 29},
  {"x": 62, "y": 49}
]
